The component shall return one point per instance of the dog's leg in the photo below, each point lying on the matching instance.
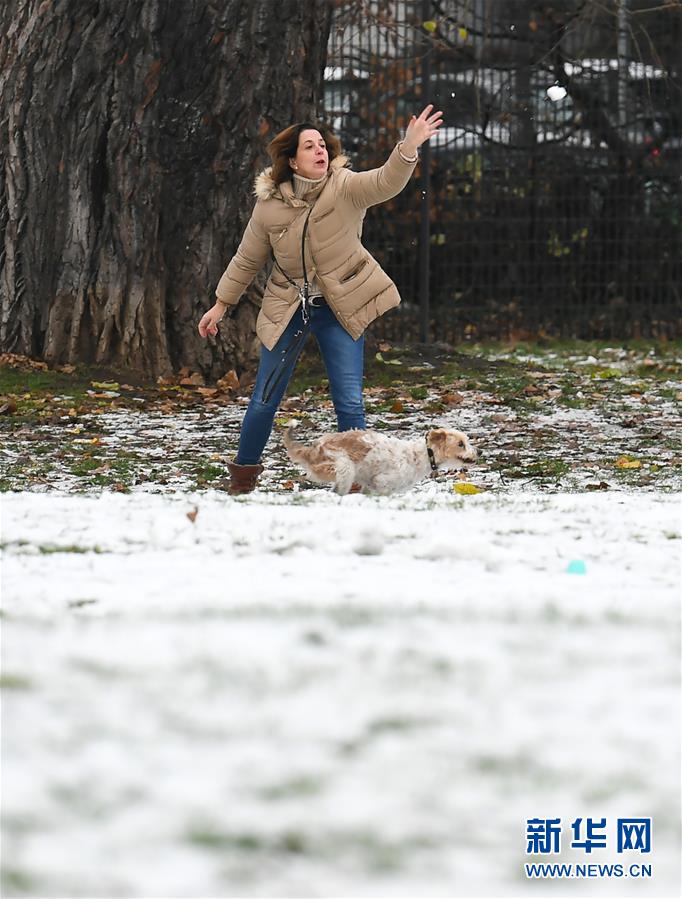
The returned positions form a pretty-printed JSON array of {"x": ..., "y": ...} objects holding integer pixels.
[
  {"x": 383, "y": 484},
  {"x": 323, "y": 473},
  {"x": 345, "y": 475}
]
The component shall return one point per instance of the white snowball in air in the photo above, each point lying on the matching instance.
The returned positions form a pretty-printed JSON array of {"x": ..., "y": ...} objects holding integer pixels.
[{"x": 555, "y": 92}]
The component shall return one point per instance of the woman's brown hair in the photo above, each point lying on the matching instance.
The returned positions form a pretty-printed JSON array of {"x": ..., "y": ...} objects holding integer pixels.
[{"x": 284, "y": 147}]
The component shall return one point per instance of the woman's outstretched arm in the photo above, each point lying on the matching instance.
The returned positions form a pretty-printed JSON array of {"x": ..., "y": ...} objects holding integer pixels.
[
  {"x": 365, "y": 189},
  {"x": 252, "y": 254}
]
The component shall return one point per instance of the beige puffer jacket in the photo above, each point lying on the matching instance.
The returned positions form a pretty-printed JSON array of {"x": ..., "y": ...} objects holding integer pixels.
[{"x": 354, "y": 284}]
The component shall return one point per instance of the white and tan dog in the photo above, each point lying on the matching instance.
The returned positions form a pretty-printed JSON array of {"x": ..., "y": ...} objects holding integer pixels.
[{"x": 376, "y": 462}]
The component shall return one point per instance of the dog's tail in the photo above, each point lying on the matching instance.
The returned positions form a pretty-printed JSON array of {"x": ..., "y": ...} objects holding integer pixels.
[{"x": 296, "y": 451}]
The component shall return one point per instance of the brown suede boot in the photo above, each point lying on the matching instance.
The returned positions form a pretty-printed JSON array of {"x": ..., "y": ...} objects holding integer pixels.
[{"x": 243, "y": 477}]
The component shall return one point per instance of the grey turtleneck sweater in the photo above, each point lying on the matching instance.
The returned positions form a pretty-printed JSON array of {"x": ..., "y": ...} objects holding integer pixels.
[{"x": 301, "y": 187}]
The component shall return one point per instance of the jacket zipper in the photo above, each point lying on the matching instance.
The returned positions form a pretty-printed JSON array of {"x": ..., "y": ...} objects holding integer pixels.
[
  {"x": 305, "y": 237},
  {"x": 324, "y": 215}
]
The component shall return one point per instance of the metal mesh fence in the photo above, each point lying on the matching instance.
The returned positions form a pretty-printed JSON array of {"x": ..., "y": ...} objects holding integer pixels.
[{"x": 550, "y": 201}]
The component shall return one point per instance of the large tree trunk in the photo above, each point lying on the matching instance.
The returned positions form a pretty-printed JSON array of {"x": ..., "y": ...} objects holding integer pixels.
[{"x": 131, "y": 131}]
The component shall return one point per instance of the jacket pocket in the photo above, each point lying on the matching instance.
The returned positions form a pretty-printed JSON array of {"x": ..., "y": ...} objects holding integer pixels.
[{"x": 353, "y": 272}]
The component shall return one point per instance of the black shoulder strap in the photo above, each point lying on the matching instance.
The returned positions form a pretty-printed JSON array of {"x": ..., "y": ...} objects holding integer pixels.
[{"x": 304, "y": 291}]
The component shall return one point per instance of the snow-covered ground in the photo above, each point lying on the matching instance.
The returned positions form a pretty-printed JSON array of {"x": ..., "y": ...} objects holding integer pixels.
[{"x": 301, "y": 695}]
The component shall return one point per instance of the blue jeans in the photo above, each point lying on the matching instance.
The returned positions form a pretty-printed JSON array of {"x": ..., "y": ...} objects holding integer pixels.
[{"x": 343, "y": 359}]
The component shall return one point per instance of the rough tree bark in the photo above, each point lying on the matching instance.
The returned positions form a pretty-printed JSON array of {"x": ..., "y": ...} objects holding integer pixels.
[{"x": 130, "y": 132}]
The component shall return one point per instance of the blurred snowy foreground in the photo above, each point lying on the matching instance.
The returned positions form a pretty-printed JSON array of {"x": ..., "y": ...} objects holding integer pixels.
[{"x": 304, "y": 695}]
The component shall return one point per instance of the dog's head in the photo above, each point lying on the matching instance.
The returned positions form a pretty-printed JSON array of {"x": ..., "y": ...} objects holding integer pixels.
[{"x": 451, "y": 449}]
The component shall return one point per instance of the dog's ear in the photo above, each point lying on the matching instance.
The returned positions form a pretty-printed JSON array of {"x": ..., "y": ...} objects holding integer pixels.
[{"x": 437, "y": 436}]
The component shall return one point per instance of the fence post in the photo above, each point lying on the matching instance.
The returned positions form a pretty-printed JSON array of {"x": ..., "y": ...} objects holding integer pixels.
[
  {"x": 623, "y": 59},
  {"x": 424, "y": 182}
]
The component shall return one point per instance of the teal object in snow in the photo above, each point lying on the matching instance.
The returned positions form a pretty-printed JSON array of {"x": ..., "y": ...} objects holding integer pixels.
[{"x": 576, "y": 566}]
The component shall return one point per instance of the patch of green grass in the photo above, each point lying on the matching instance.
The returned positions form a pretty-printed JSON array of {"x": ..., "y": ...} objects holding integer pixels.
[
  {"x": 542, "y": 468},
  {"x": 605, "y": 374},
  {"x": 16, "y": 881},
  {"x": 83, "y": 467},
  {"x": 382, "y": 406},
  {"x": 42, "y": 449},
  {"x": 419, "y": 393},
  {"x": 14, "y": 682},
  {"x": 47, "y": 549},
  {"x": 7, "y": 543},
  {"x": 213, "y": 838},
  {"x": 296, "y": 786},
  {"x": 669, "y": 393},
  {"x": 661, "y": 372},
  {"x": 571, "y": 401},
  {"x": 17, "y": 382},
  {"x": 572, "y": 346},
  {"x": 396, "y": 724},
  {"x": 208, "y": 471}
]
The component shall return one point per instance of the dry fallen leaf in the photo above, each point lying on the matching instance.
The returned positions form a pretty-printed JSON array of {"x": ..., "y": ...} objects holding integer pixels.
[
  {"x": 625, "y": 462},
  {"x": 380, "y": 358},
  {"x": 193, "y": 514},
  {"x": 196, "y": 379},
  {"x": 229, "y": 381},
  {"x": 16, "y": 360},
  {"x": 466, "y": 489},
  {"x": 292, "y": 405}
]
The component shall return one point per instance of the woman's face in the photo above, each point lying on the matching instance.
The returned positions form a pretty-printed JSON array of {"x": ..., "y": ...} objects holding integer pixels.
[{"x": 312, "y": 158}]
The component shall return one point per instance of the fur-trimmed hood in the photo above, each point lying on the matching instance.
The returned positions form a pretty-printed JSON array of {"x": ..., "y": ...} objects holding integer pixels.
[{"x": 264, "y": 186}]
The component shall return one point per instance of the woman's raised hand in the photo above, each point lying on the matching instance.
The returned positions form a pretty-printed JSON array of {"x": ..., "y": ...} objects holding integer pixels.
[{"x": 424, "y": 126}]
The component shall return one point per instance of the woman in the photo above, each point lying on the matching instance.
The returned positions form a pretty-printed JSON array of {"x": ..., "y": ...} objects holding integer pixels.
[{"x": 309, "y": 214}]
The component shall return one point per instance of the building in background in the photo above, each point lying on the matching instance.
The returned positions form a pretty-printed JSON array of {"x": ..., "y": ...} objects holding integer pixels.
[{"x": 554, "y": 192}]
